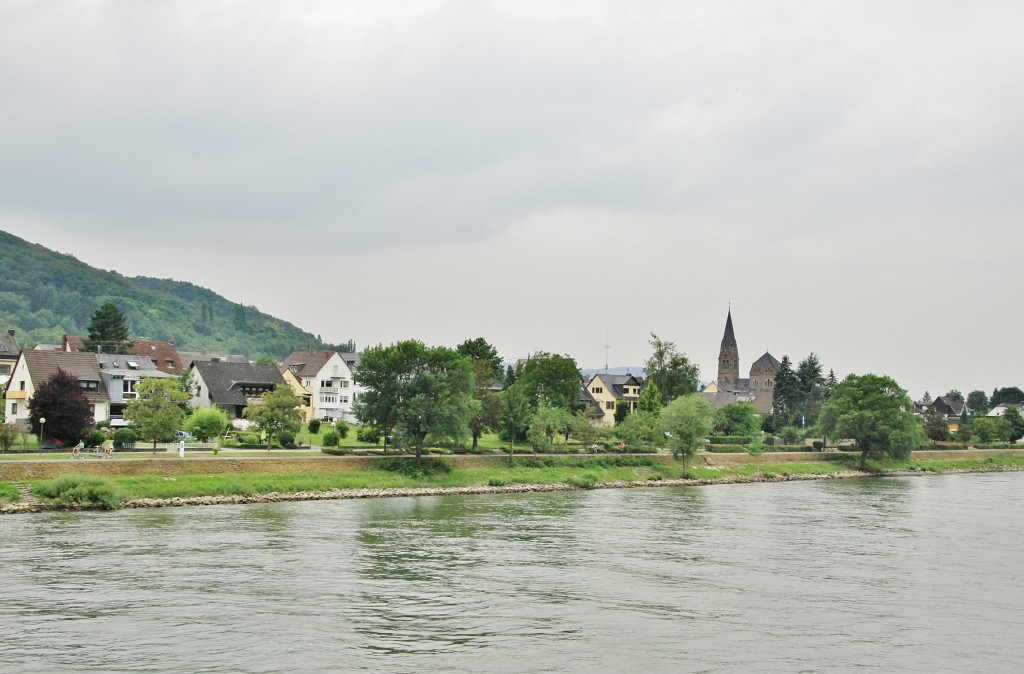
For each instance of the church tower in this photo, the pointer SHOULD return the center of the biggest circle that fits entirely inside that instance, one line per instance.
(728, 359)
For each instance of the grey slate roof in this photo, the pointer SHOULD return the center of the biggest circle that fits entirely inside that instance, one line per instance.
(766, 358)
(729, 338)
(616, 382)
(226, 381)
(9, 345)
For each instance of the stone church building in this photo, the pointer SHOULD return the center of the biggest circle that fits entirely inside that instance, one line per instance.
(729, 387)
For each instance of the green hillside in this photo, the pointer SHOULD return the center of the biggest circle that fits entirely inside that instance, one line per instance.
(44, 294)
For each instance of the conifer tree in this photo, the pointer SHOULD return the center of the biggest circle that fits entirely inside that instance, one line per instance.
(107, 330)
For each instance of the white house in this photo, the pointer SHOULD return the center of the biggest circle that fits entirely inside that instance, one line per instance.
(121, 375)
(327, 377)
(35, 367)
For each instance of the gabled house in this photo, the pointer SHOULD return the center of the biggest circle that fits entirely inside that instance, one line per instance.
(121, 376)
(327, 377)
(189, 357)
(9, 352)
(163, 354)
(1000, 410)
(609, 389)
(73, 344)
(35, 367)
(231, 386)
(306, 410)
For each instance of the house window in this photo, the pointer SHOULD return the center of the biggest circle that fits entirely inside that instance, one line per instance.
(128, 387)
(14, 409)
(328, 398)
(170, 364)
(326, 383)
(5, 369)
(344, 399)
(89, 385)
(23, 385)
(597, 389)
(610, 405)
(344, 383)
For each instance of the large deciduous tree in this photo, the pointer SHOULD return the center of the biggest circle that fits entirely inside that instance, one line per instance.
(480, 349)
(550, 379)
(488, 415)
(671, 371)
(64, 404)
(1011, 395)
(737, 419)
(158, 410)
(685, 423)
(275, 412)
(935, 426)
(876, 413)
(977, 402)
(107, 330)
(417, 391)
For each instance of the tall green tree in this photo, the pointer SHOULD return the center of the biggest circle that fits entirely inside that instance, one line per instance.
(487, 416)
(1011, 395)
(275, 412)
(786, 395)
(935, 426)
(1016, 421)
(107, 330)
(480, 349)
(416, 390)
(650, 399)
(517, 409)
(548, 378)
(671, 371)
(685, 423)
(876, 413)
(64, 404)
(813, 389)
(737, 419)
(977, 401)
(158, 411)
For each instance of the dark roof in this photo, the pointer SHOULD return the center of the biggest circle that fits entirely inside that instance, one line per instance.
(729, 338)
(766, 358)
(160, 352)
(615, 382)
(949, 406)
(44, 364)
(9, 345)
(307, 363)
(762, 400)
(189, 357)
(225, 380)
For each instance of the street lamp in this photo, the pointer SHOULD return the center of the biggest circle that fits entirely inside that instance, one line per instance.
(42, 428)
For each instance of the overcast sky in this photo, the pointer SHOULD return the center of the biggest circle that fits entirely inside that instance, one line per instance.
(548, 175)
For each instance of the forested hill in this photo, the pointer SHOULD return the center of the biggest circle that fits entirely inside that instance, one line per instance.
(44, 294)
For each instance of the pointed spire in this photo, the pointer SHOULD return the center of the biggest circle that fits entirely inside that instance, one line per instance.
(729, 339)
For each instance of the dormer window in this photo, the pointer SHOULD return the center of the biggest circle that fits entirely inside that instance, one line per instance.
(132, 365)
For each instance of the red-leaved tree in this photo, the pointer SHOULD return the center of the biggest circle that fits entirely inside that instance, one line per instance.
(64, 405)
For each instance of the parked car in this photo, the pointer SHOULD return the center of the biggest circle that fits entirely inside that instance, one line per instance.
(183, 435)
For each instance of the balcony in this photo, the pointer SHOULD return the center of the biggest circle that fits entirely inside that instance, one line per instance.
(17, 395)
(329, 389)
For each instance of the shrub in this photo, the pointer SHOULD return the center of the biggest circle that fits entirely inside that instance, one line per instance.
(8, 434)
(411, 468)
(586, 481)
(818, 445)
(731, 439)
(369, 434)
(250, 439)
(341, 428)
(725, 449)
(124, 437)
(80, 491)
(314, 426)
(331, 439)
(93, 437)
(287, 439)
(336, 451)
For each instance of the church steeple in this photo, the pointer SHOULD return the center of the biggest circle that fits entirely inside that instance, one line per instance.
(728, 358)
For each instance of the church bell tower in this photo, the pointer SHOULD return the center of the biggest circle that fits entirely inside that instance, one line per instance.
(728, 358)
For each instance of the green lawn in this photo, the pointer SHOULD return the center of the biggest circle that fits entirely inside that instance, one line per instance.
(8, 492)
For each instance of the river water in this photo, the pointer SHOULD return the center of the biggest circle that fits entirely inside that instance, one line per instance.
(894, 575)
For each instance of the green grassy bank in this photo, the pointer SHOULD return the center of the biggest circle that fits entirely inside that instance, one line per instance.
(135, 481)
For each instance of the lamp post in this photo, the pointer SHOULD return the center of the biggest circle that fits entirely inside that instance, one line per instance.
(42, 428)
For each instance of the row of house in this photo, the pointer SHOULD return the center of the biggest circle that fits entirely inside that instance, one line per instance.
(323, 380)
